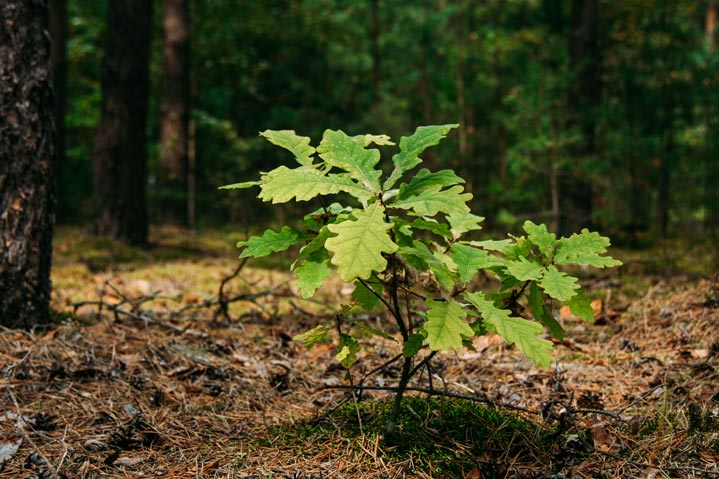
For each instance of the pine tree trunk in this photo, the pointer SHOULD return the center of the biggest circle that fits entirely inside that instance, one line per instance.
(26, 163)
(711, 156)
(58, 58)
(375, 49)
(584, 95)
(174, 119)
(120, 154)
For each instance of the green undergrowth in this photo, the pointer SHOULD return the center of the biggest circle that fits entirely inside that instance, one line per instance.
(443, 437)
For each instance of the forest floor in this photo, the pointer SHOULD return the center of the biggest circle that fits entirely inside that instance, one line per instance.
(144, 375)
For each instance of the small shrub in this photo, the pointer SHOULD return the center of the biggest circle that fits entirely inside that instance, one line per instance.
(401, 240)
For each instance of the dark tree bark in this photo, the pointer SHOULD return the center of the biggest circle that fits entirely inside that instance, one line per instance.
(174, 119)
(58, 58)
(26, 163)
(711, 158)
(584, 95)
(375, 50)
(120, 154)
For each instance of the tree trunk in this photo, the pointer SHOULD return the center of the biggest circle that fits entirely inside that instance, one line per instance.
(58, 58)
(375, 50)
(174, 119)
(120, 153)
(584, 93)
(27, 193)
(711, 160)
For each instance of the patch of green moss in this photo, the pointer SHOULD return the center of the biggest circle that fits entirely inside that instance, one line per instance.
(441, 436)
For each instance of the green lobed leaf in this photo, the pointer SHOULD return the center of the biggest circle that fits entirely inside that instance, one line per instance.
(463, 223)
(380, 140)
(317, 244)
(422, 258)
(525, 270)
(432, 225)
(412, 146)
(349, 154)
(413, 345)
(470, 260)
(298, 145)
(445, 326)
(270, 242)
(313, 272)
(348, 349)
(514, 330)
(585, 248)
(429, 203)
(304, 183)
(244, 184)
(360, 242)
(541, 312)
(425, 181)
(581, 306)
(558, 285)
(543, 239)
(314, 335)
(366, 297)
(493, 245)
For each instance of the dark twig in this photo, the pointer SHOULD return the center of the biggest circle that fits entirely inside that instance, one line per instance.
(223, 303)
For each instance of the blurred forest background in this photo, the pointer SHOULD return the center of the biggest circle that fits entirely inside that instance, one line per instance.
(572, 112)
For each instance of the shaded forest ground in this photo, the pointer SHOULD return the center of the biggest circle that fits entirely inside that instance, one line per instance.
(145, 375)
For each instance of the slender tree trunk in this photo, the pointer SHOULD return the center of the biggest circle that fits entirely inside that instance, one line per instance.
(460, 81)
(666, 164)
(711, 158)
(174, 119)
(120, 199)
(375, 33)
(27, 193)
(584, 94)
(191, 175)
(58, 58)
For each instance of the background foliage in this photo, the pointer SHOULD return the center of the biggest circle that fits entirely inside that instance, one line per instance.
(499, 68)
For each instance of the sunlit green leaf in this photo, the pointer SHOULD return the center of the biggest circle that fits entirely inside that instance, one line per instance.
(585, 248)
(304, 183)
(313, 272)
(540, 236)
(349, 154)
(244, 184)
(429, 203)
(360, 242)
(270, 242)
(514, 330)
(525, 270)
(445, 325)
(493, 245)
(463, 223)
(315, 335)
(558, 285)
(348, 349)
(470, 260)
(425, 181)
(581, 306)
(380, 140)
(298, 145)
(412, 146)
